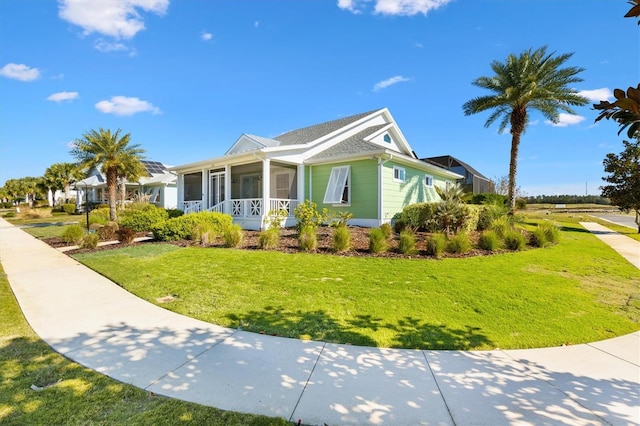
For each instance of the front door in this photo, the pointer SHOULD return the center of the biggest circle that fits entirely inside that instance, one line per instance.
(216, 189)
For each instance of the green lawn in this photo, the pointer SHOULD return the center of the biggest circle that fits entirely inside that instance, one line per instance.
(575, 292)
(75, 395)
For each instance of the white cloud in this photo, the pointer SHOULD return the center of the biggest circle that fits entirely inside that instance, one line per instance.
(206, 36)
(63, 96)
(389, 82)
(20, 72)
(106, 46)
(565, 120)
(350, 5)
(394, 7)
(114, 18)
(597, 95)
(122, 105)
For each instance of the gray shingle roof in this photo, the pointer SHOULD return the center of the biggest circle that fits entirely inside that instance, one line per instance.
(311, 133)
(445, 160)
(351, 146)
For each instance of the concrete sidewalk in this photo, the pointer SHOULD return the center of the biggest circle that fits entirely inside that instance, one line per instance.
(627, 247)
(96, 323)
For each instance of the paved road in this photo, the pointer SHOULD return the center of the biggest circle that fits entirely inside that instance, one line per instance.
(619, 219)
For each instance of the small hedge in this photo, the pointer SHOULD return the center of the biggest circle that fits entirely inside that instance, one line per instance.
(73, 234)
(141, 216)
(69, 208)
(183, 227)
(99, 215)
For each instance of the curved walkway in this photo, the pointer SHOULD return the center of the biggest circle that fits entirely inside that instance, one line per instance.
(96, 323)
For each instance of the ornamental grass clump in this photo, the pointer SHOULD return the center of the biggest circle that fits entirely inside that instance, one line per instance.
(407, 243)
(270, 237)
(459, 243)
(377, 241)
(73, 234)
(386, 230)
(514, 240)
(341, 239)
(233, 235)
(551, 231)
(90, 241)
(489, 240)
(436, 244)
(307, 239)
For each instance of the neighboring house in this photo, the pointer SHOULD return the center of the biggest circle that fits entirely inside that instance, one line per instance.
(360, 164)
(474, 181)
(159, 186)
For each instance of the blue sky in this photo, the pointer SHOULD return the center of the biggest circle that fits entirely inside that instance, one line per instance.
(186, 78)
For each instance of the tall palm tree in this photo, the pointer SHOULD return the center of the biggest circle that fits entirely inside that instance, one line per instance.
(534, 80)
(109, 151)
(60, 176)
(130, 170)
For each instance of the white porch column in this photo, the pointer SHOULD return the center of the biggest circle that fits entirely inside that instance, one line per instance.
(227, 188)
(180, 191)
(266, 186)
(301, 182)
(205, 189)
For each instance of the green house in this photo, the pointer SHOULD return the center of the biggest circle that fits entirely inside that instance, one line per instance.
(361, 164)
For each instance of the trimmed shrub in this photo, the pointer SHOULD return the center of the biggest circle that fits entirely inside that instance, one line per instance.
(125, 235)
(489, 199)
(341, 238)
(307, 238)
(9, 214)
(90, 241)
(407, 244)
(459, 243)
(69, 208)
(108, 232)
(73, 234)
(377, 241)
(141, 216)
(232, 235)
(269, 238)
(183, 227)
(514, 240)
(174, 213)
(420, 216)
(436, 244)
(489, 240)
(386, 230)
(521, 203)
(99, 215)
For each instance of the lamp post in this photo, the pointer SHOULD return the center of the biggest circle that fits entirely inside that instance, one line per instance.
(86, 202)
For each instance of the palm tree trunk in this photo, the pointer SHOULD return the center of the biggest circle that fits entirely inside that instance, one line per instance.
(112, 182)
(518, 120)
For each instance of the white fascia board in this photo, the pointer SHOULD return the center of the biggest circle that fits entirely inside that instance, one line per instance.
(350, 157)
(379, 132)
(216, 162)
(401, 158)
(403, 141)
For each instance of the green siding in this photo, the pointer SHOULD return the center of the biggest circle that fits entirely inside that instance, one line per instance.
(364, 188)
(397, 195)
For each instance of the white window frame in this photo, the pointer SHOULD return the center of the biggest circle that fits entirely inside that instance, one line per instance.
(401, 174)
(339, 182)
(428, 181)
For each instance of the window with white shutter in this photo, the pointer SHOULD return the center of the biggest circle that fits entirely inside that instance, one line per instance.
(338, 186)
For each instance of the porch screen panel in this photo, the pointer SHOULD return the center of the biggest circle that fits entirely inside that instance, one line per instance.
(336, 185)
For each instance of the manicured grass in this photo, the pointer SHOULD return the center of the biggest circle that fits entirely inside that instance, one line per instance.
(574, 218)
(575, 292)
(74, 395)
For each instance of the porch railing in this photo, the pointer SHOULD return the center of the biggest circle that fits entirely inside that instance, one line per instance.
(251, 207)
(192, 206)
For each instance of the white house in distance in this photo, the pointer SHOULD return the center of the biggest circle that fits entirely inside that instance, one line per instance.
(159, 185)
(360, 164)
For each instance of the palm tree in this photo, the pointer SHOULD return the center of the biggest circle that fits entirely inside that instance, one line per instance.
(130, 170)
(534, 80)
(60, 176)
(110, 152)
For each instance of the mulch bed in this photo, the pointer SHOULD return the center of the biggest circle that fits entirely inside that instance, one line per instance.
(289, 244)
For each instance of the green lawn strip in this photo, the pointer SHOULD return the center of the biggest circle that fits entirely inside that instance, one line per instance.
(74, 395)
(575, 292)
(574, 218)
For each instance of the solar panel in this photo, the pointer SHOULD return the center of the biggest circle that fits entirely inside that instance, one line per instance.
(154, 167)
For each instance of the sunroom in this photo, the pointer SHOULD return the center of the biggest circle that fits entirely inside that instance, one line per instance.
(246, 191)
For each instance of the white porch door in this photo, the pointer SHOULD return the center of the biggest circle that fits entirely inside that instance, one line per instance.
(216, 189)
